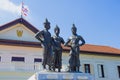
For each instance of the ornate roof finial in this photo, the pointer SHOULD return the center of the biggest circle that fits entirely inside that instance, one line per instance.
(74, 29)
(73, 25)
(46, 21)
(56, 28)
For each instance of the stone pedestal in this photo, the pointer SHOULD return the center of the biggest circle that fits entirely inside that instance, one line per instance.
(44, 75)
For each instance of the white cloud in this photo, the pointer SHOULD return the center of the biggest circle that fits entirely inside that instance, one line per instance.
(9, 6)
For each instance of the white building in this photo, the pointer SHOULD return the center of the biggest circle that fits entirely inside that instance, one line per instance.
(21, 54)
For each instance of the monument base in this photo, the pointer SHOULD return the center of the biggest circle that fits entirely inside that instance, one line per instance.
(48, 75)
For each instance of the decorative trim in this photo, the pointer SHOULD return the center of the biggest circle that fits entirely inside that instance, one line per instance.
(19, 33)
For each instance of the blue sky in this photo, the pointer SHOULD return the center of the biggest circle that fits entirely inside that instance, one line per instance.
(97, 21)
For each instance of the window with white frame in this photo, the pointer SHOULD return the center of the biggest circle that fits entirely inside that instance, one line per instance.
(101, 73)
(87, 68)
(18, 63)
(37, 62)
(19, 59)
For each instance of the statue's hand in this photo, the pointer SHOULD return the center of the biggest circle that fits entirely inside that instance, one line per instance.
(81, 44)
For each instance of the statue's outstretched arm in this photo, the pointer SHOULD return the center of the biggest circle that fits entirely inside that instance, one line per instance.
(62, 41)
(67, 43)
(82, 40)
(37, 36)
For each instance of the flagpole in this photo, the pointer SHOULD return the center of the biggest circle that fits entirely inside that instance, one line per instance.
(21, 8)
(21, 16)
(24, 10)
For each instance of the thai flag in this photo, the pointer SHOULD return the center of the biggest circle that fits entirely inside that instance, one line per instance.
(24, 10)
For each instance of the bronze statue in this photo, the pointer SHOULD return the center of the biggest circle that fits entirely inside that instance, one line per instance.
(74, 43)
(57, 49)
(45, 38)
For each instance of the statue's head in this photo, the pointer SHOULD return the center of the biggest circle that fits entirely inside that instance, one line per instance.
(47, 24)
(74, 29)
(57, 30)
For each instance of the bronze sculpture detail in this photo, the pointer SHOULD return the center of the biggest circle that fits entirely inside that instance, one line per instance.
(52, 49)
(73, 42)
(44, 37)
(57, 49)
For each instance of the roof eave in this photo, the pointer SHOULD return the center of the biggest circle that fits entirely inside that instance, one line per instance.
(22, 21)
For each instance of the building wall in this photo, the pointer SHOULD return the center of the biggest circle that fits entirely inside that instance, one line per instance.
(29, 54)
(109, 63)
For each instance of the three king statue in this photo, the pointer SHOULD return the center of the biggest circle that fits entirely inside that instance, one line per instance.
(52, 49)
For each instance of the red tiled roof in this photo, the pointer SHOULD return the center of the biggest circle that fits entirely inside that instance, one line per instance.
(97, 49)
(100, 49)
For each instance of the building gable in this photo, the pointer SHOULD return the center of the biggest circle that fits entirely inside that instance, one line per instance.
(22, 21)
(19, 29)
